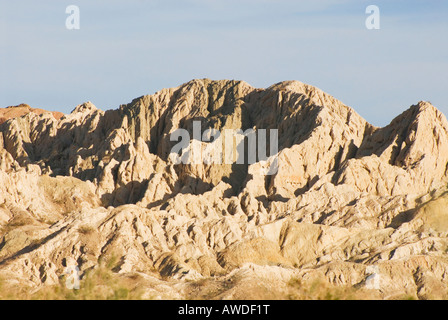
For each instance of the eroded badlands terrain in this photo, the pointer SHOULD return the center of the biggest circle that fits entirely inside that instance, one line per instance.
(353, 207)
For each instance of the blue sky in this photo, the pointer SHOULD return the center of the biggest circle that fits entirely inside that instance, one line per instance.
(126, 49)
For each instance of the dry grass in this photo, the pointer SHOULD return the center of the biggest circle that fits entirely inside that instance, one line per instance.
(318, 290)
(103, 284)
(97, 284)
(243, 289)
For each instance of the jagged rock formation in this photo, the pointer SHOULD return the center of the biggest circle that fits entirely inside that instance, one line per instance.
(21, 110)
(348, 197)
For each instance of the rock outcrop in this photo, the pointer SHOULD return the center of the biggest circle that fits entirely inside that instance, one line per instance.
(348, 203)
(21, 110)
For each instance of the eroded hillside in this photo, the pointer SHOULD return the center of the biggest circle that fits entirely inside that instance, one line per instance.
(349, 203)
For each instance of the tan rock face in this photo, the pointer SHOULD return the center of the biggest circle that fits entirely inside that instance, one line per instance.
(21, 110)
(350, 203)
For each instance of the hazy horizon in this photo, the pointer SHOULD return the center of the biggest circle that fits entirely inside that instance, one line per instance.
(124, 50)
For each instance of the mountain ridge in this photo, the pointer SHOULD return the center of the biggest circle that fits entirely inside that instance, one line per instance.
(347, 195)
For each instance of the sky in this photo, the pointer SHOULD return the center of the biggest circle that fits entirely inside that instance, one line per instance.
(126, 49)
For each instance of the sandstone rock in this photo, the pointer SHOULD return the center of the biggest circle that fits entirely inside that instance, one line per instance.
(351, 205)
(21, 110)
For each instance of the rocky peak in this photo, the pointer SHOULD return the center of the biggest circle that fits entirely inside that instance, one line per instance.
(86, 107)
(347, 198)
(21, 110)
